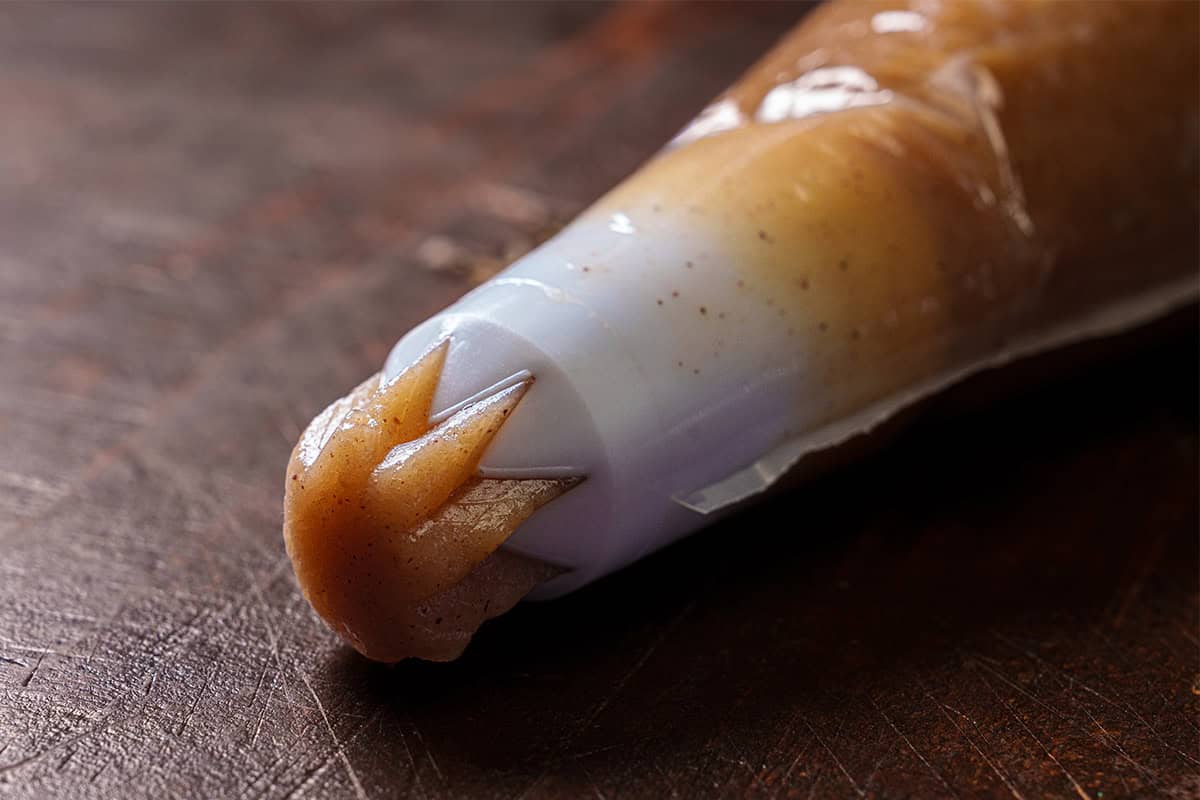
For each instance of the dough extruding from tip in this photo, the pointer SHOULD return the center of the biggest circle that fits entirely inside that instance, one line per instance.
(393, 536)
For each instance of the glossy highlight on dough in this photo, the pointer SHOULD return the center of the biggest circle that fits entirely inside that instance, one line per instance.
(391, 534)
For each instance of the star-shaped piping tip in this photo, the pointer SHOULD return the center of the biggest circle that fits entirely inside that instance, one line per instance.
(384, 510)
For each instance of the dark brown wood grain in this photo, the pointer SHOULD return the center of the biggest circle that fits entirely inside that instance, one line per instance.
(216, 218)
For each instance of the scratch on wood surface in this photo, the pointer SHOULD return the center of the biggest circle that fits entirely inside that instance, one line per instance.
(428, 753)
(602, 749)
(341, 751)
(609, 696)
(44, 651)
(981, 662)
(30, 483)
(29, 678)
(1128, 708)
(1156, 688)
(199, 695)
(262, 674)
(532, 785)
(102, 631)
(412, 762)
(256, 585)
(64, 742)
(1115, 652)
(796, 761)
(1123, 705)
(96, 775)
(742, 763)
(904, 737)
(1079, 790)
(177, 639)
(273, 639)
(994, 765)
(309, 775)
(837, 761)
(619, 686)
(101, 719)
(882, 758)
(262, 716)
(1144, 568)
(666, 780)
(287, 425)
(817, 776)
(1115, 746)
(591, 782)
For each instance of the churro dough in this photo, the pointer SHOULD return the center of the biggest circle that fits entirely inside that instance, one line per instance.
(392, 537)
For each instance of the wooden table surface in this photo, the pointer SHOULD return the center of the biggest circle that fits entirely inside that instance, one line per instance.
(214, 219)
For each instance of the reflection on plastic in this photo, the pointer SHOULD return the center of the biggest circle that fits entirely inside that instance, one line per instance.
(722, 115)
(822, 90)
(621, 223)
(898, 22)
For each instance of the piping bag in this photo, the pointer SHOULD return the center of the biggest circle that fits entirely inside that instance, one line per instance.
(899, 195)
